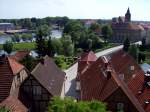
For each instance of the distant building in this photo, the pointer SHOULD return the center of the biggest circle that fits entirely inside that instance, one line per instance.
(123, 28)
(6, 26)
(147, 30)
(45, 81)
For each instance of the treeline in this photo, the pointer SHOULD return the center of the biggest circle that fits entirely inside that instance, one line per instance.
(32, 23)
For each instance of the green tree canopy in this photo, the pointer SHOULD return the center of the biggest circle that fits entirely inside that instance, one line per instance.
(71, 105)
(68, 47)
(134, 51)
(107, 32)
(41, 45)
(126, 44)
(8, 46)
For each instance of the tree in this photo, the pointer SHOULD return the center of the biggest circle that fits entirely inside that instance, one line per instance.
(28, 62)
(68, 47)
(41, 45)
(50, 48)
(106, 32)
(71, 105)
(57, 45)
(142, 47)
(95, 27)
(16, 38)
(8, 46)
(134, 51)
(126, 44)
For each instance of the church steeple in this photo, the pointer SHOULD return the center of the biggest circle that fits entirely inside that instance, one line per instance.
(128, 16)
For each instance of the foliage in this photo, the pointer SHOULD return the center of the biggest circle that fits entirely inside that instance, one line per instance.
(26, 37)
(41, 46)
(16, 38)
(107, 32)
(50, 48)
(8, 46)
(67, 45)
(95, 27)
(71, 105)
(126, 44)
(3, 109)
(28, 62)
(134, 51)
(57, 45)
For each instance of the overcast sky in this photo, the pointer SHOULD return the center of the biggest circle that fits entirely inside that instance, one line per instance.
(104, 9)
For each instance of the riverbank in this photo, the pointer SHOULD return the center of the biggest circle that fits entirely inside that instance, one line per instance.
(22, 46)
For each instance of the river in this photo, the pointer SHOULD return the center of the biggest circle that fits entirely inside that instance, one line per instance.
(54, 33)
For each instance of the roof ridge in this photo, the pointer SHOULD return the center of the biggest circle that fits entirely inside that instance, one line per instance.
(128, 92)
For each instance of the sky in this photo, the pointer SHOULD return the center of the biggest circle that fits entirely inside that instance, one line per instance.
(75, 9)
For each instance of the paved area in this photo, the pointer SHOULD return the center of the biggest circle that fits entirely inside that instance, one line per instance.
(71, 73)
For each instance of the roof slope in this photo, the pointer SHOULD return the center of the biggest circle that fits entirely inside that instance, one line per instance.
(122, 63)
(95, 85)
(8, 68)
(49, 76)
(85, 60)
(6, 78)
(15, 66)
(135, 85)
(13, 104)
(19, 55)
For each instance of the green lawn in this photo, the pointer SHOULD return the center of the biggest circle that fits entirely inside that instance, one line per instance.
(22, 46)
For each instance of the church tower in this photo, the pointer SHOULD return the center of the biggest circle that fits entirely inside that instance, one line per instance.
(128, 16)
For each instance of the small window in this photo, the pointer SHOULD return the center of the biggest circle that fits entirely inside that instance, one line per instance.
(36, 90)
(78, 86)
(120, 107)
(131, 67)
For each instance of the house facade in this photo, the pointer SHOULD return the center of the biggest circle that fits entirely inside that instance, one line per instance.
(44, 82)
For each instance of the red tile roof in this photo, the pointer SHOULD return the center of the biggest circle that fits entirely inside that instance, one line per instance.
(85, 60)
(6, 78)
(15, 66)
(13, 104)
(95, 85)
(19, 55)
(135, 86)
(122, 63)
(8, 68)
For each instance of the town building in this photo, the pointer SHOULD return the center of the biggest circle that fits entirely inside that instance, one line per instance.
(124, 28)
(45, 81)
(6, 26)
(112, 79)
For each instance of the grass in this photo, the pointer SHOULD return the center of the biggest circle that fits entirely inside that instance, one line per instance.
(22, 46)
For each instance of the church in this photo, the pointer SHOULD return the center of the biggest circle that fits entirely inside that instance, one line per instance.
(124, 28)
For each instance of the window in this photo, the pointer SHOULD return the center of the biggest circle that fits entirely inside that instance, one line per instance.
(131, 67)
(37, 90)
(120, 107)
(78, 86)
